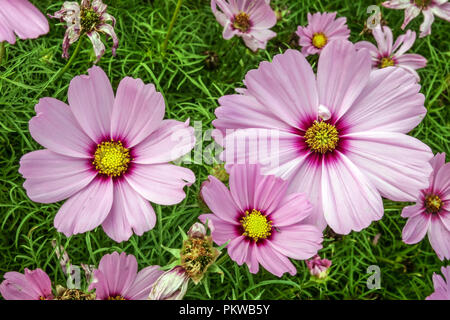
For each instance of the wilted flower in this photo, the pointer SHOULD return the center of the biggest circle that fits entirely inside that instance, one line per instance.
(393, 54)
(171, 285)
(31, 285)
(431, 214)
(90, 18)
(72, 294)
(117, 278)
(429, 8)
(318, 267)
(441, 286)
(21, 18)
(322, 29)
(249, 19)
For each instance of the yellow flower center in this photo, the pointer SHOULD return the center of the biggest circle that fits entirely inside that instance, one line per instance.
(111, 158)
(89, 19)
(319, 40)
(433, 203)
(242, 22)
(116, 298)
(322, 137)
(255, 225)
(386, 62)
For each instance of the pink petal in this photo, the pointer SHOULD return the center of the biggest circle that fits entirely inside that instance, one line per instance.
(142, 285)
(439, 238)
(29, 286)
(273, 261)
(425, 27)
(395, 163)
(341, 83)
(291, 210)
(170, 141)
(287, 87)
(390, 102)
(442, 181)
(87, 209)
(350, 201)
(237, 249)
(160, 183)
(261, 15)
(297, 241)
(129, 213)
(218, 198)
(51, 177)
(410, 13)
(415, 228)
(412, 211)
(55, 128)
(413, 61)
(243, 183)
(138, 111)
(22, 18)
(91, 99)
(223, 230)
(40, 281)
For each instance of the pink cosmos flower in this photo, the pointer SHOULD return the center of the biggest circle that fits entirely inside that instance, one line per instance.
(108, 155)
(341, 136)
(20, 17)
(248, 19)
(32, 285)
(89, 18)
(429, 8)
(322, 29)
(387, 55)
(431, 214)
(117, 278)
(264, 224)
(318, 267)
(441, 286)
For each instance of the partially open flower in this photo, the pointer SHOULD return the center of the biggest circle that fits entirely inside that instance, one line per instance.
(90, 18)
(318, 267)
(171, 285)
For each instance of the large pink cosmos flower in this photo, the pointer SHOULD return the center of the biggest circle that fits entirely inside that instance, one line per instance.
(431, 214)
(322, 29)
(387, 55)
(340, 137)
(20, 17)
(429, 8)
(441, 286)
(248, 19)
(264, 223)
(108, 155)
(32, 285)
(117, 278)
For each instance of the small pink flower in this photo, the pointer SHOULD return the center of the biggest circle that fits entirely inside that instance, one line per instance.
(21, 18)
(431, 214)
(249, 19)
(393, 54)
(171, 285)
(441, 286)
(117, 278)
(318, 267)
(322, 29)
(109, 155)
(32, 285)
(264, 224)
(429, 8)
(89, 18)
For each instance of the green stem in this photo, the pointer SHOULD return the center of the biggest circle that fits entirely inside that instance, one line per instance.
(2, 51)
(63, 70)
(169, 31)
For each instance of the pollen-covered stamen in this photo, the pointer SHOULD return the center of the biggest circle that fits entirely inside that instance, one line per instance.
(118, 297)
(319, 40)
(433, 203)
(111, 158)
(89, 19)
(386, 62)
(242, 22)
(256, 225)
(322, 137)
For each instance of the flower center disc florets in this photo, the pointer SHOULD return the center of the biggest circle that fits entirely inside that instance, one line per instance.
(433, 203)
(118, 297)
(319, 40)
(89, 19)
(256, 225)
(422, 4)
(322, 137)
(242, 22)
(111, 158)
(386, 62)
